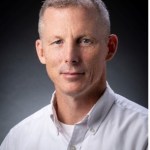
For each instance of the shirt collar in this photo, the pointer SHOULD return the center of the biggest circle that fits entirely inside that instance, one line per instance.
(95, 116)
(101, 109)
(53, 114)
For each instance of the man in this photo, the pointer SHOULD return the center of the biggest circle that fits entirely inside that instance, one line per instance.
(75, 44)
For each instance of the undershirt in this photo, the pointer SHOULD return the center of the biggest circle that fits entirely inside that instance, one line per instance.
(67, 130)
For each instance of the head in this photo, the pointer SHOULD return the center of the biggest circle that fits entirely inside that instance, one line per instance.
(75, 44)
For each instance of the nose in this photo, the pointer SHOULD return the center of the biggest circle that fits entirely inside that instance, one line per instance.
(71, 54)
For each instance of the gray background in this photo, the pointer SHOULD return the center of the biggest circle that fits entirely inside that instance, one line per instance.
(24, 85)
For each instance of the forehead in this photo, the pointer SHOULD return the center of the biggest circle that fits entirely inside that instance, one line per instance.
(75, 18)
(73, 11)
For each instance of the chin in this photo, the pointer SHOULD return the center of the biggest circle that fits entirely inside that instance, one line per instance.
(72, 91)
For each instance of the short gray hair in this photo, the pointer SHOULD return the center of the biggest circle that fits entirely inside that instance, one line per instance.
(98, 4)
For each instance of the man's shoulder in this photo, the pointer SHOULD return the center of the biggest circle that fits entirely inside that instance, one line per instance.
(36, 117)
(130, 108)
(123, 104)
(30, 129)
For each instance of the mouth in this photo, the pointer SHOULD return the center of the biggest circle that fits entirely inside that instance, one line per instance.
(72, 75)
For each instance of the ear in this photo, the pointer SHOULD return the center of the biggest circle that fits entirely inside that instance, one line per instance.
(40, 51)
(112, 46)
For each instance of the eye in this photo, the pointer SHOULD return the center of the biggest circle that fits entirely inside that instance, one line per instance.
(57, 42)
(85, 42)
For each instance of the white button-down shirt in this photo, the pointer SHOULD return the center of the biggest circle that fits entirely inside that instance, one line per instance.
(114, 123)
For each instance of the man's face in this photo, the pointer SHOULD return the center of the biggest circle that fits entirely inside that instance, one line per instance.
(74, 48)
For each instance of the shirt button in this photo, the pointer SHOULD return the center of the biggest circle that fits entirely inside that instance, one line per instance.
(73, 148)
(92, 130)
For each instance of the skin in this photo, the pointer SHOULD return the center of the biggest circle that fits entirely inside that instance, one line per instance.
(75, 49)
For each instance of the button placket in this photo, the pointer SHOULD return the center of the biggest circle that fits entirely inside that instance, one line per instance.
(78, 136)
(72, 147)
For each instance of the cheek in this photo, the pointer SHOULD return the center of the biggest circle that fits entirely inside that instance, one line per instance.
(95, 59)
(53, 58)
(53, 61)
(95, 66)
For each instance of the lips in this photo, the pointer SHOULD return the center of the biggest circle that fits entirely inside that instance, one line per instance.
(72, 75)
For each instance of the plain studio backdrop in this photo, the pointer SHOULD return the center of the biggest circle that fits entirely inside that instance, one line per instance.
(24, 85)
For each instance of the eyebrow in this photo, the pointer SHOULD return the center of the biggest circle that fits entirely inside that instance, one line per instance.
(78, 37)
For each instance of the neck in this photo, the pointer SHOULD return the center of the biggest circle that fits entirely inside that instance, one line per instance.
(72, 109)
